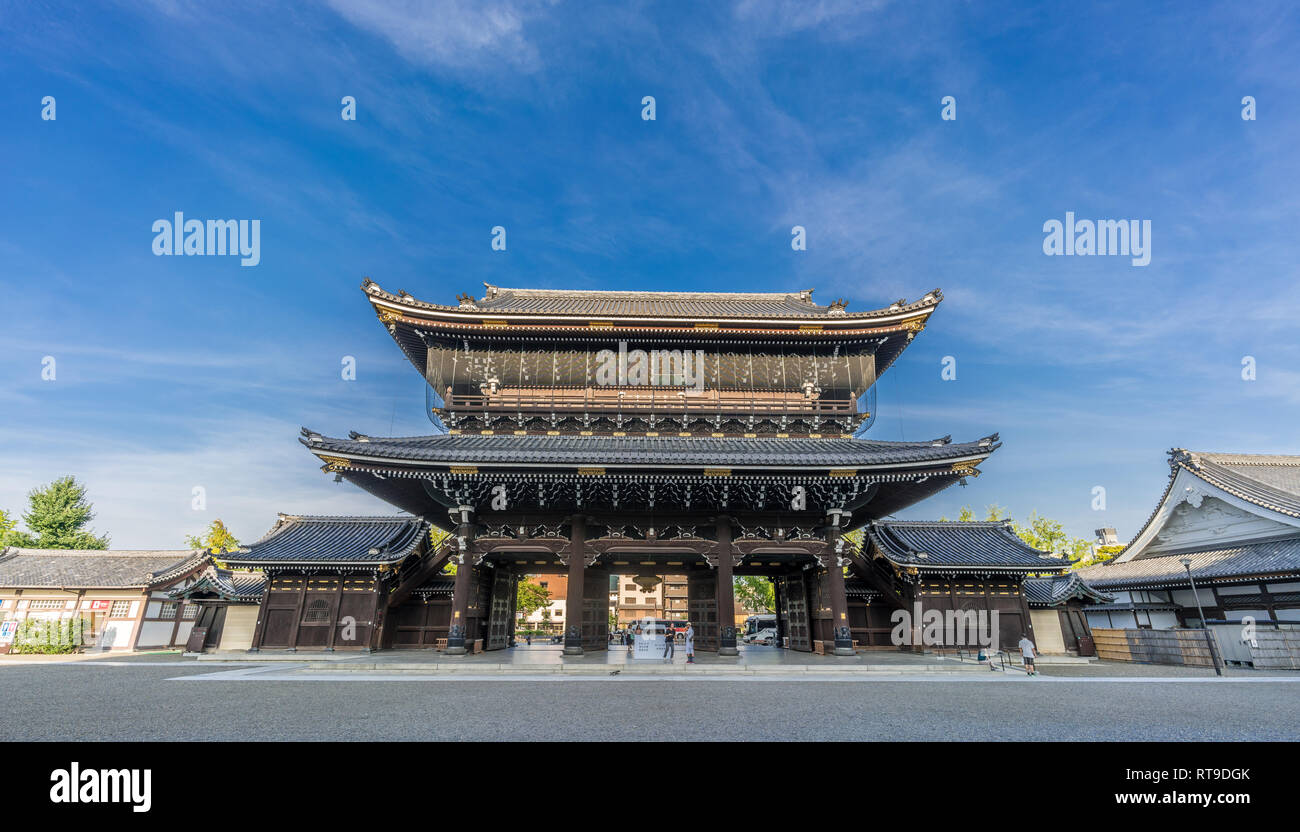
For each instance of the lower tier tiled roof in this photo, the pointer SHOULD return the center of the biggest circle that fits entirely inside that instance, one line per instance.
(225, 584)
(647, 450)
(1057, 589)
(1277, 558)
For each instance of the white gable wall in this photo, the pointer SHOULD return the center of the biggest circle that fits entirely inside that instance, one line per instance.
(1198, 515)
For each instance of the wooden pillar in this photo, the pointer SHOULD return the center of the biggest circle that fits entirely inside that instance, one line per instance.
(573, 601)
(778, 601)
(297, 615)
(726, 592)
(839, 598)
(334, 615)
(514, 605)
(463, 586)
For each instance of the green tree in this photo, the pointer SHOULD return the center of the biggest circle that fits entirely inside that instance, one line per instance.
(1102, 554)
(531, 598)
(755, 593)
(57, 516)
(7, 525)
(991, 512)
(218, 540)
(1049, 535)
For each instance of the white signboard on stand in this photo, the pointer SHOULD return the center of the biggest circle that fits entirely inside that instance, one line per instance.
(648, 644)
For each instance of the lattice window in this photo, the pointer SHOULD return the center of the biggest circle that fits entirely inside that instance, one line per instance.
(168, 610)
(119, 609)
(47, 605)
(191, 612)
(317, 612)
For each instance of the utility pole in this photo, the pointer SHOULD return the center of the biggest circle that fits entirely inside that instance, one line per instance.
(1209, 637)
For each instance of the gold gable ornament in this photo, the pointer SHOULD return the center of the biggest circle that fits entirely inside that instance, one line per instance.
(966, 469)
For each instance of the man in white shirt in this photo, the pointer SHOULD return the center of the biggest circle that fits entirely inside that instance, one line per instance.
(1027, 654)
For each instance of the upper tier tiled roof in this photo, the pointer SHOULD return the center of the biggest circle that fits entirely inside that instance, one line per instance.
(650, 303)
(615, 451)
(1268, 480)
(640, 304)
(1277, 557)
(334, 540)
(1052, 590)
(958, 544)
(93, 568)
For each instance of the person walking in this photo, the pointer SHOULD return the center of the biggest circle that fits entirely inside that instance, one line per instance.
(627, 639)
(690, 643)
(669, 643)
(1027, 655)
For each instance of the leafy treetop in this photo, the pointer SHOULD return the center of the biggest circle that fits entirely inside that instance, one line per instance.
(532, 597)
(7, 525)
(217, 539)
(56, 518)
(1048, 535)
(755, 593)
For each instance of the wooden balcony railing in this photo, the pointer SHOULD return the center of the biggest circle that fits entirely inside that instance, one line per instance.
(649, 399)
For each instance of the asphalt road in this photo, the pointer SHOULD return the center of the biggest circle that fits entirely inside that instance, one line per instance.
(145, 701)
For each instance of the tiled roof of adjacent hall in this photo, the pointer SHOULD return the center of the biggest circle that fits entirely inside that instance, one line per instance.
(1271, 481)
(642, 304)
(334, 540)
(1049, 591)
(960, 545)
(94, 568)
(1278, 558)
(632, 451)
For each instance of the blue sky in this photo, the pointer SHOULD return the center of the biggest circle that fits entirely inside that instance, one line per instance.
(176, 372)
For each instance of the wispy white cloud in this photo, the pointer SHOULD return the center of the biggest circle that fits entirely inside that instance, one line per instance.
(456, 34)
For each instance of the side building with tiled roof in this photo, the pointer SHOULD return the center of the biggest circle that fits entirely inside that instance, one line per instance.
(957, 566)
(329, 583)
(1235, 521)
(122, 596)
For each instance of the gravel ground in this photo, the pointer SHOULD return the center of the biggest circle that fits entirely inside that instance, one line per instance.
(85, 701)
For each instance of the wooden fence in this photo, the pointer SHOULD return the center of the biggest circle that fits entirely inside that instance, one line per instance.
(1272, 649)
(1276, 650)
(1154, 646)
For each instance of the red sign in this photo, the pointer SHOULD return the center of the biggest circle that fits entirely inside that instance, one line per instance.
(99, 605)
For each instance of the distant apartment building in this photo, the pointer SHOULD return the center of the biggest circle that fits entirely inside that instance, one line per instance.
(633, 602)
(674, 594)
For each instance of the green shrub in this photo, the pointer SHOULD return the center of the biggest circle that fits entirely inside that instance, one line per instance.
(44, 636)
